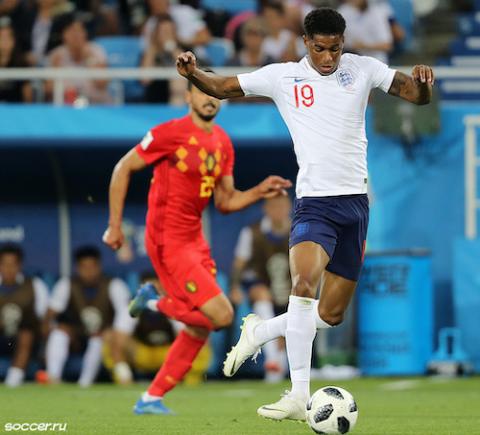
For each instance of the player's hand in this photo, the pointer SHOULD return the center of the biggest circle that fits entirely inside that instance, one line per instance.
(113, 237)
(274, 186)
(423, 74)
(186, 63)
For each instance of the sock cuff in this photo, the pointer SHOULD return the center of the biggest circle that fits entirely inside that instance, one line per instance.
(301, 301)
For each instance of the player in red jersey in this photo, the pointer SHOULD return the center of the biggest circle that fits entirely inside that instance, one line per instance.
(193, 159)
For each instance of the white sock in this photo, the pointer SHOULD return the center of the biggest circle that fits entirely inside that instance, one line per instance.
(270, 329)
(149, 398)
(319, 322)
(264, 309)
(299, 336)
(276, 327)
(91, 362)
(56, 353)
(15, 376)
(152, 304)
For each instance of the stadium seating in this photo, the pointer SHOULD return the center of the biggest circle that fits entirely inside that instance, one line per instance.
(124, 52)
(231, 6)
(219, 51)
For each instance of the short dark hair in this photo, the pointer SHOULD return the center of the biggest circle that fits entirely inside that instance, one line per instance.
(88, 251)
(206, 69)
(12, 249)
(324, 21)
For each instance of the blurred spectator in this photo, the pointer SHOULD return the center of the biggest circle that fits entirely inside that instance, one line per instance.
(398, 32)
(12, 91)
(252, 39)
(234, 25)
(297, 10)
(77, 51)
(84, 311)
(162, 50)
(154, 333)
(23, 302)
(12, 9)
(280, 43)
(261, 265)
(101, 16)
(368, 31)
(40, 28)
(191, 29)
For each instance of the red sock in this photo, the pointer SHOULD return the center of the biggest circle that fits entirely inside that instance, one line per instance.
(178, 362)
(190, 317)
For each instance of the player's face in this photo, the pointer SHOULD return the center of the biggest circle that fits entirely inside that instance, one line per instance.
(10, 267)
(205, 106)
(278, 209)
(324, 52)
(89, 270)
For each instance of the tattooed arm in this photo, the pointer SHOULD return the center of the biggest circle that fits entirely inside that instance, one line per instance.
(417, 89)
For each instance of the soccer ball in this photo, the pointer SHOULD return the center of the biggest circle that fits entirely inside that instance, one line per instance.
(331, 410)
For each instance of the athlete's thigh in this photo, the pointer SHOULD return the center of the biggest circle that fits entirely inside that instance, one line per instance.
(307, 263)
(336, 293)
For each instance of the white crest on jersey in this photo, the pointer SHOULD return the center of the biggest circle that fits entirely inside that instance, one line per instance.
(147, 140)
(345, 78)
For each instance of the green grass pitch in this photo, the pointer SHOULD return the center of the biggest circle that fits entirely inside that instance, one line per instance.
(423, 406)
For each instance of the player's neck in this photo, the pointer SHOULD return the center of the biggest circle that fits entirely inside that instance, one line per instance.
(199, 122)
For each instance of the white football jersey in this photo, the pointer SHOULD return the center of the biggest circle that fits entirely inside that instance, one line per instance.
(326, 118)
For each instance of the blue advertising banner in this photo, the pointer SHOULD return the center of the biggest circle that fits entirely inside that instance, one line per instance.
(395, 315)
(466, 296)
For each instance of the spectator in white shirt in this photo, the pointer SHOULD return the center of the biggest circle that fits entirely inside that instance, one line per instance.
(280, 43)
(368, 31)
(191, 29)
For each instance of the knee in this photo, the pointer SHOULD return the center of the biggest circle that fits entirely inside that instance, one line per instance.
(303, 288)
(224, 318)
(331, 316)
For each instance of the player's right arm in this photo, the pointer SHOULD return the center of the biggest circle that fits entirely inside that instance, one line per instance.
(129, 163)
(210, 83)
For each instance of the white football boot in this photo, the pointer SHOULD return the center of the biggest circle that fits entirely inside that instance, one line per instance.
(289, 407)
(245, 347)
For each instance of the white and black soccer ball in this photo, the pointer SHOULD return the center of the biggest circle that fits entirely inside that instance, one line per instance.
(332, 410)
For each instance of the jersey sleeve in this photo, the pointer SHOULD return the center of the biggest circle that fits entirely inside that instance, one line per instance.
(261, 82)
(381, 76)
(156, 144)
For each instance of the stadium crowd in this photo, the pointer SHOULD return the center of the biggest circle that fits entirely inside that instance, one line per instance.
(62, 33)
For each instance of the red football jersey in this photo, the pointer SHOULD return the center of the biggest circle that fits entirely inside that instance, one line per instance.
(188, 164)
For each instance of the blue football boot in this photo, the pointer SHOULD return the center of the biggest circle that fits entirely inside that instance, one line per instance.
(144, 294)
(155, 407)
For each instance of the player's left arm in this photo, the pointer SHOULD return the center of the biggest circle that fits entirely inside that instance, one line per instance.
(228, 199)
(416, 88)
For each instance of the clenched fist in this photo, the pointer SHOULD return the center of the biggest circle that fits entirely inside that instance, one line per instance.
(186, 64)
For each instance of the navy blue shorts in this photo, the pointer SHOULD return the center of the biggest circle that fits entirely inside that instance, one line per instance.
(337, 223)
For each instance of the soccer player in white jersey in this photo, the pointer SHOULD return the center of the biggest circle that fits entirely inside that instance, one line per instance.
(322, 99)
